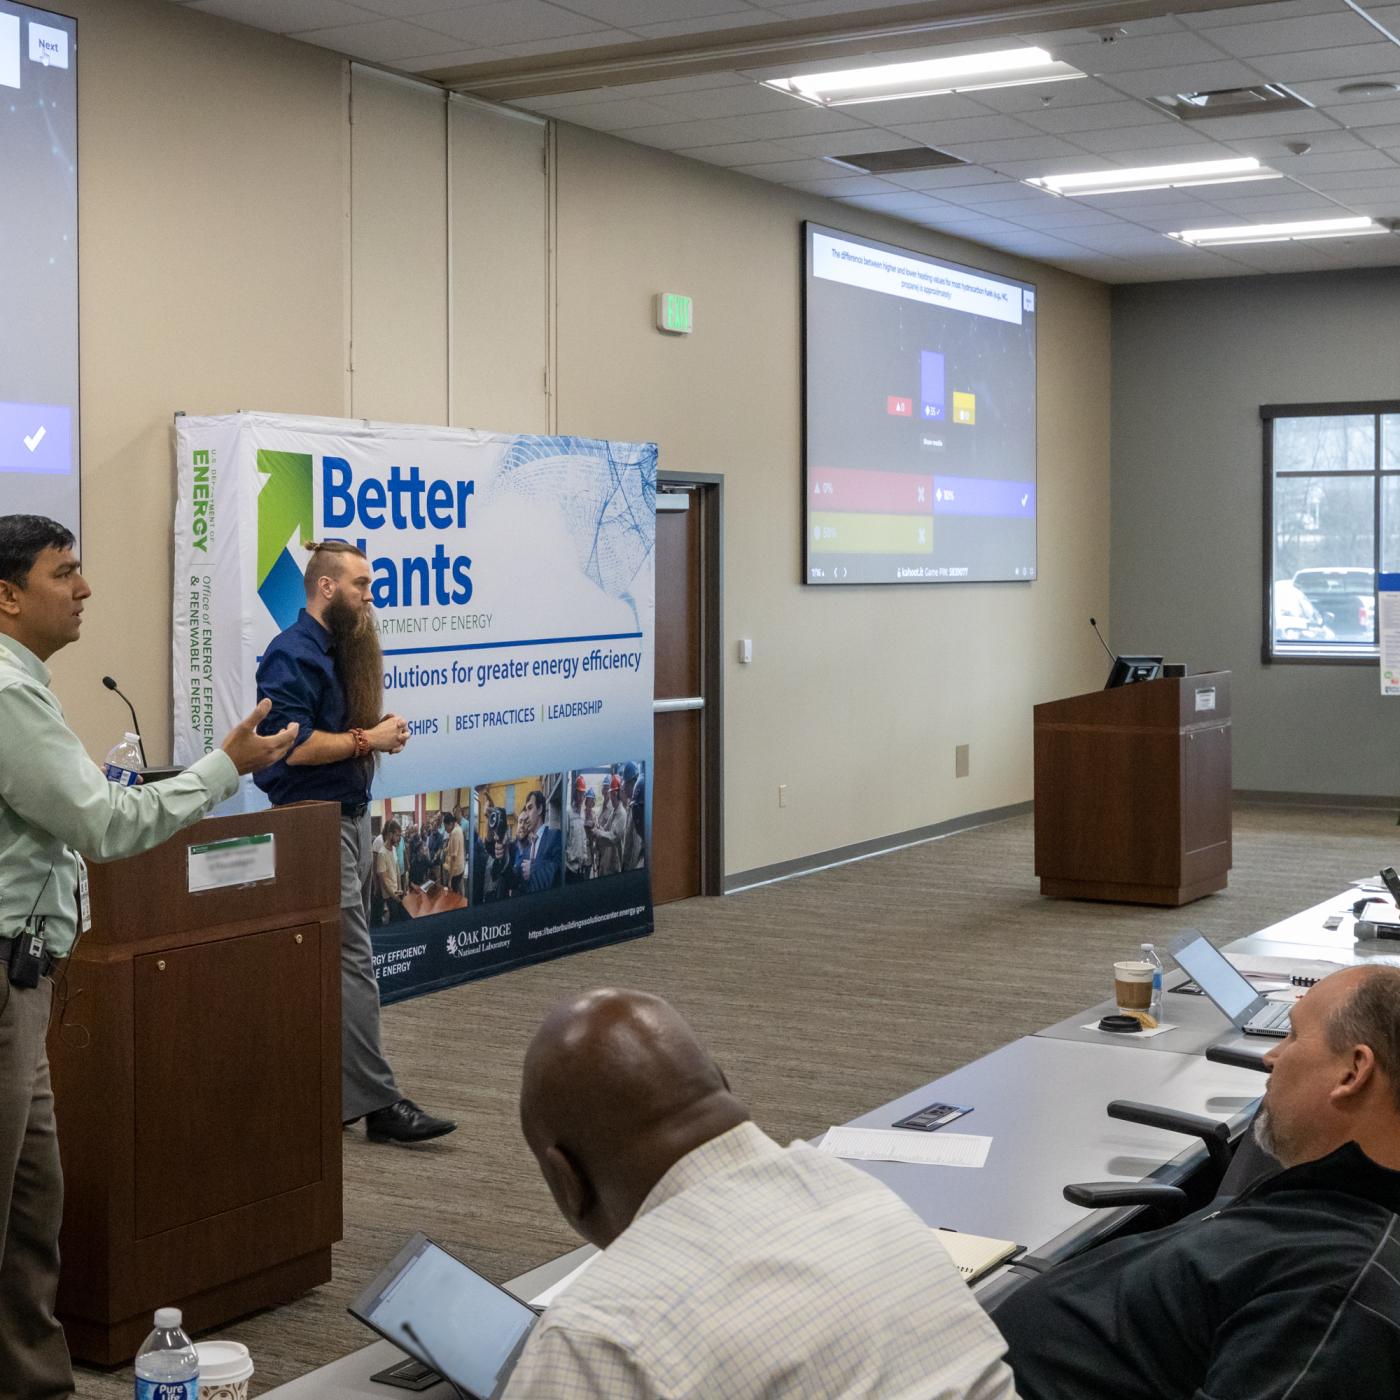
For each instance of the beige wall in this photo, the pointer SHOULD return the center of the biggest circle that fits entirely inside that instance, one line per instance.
(235, 225)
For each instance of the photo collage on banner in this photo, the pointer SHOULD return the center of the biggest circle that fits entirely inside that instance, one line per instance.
(513, 594)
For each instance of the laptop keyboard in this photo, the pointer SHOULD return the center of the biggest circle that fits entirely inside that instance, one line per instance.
(1273, 1017)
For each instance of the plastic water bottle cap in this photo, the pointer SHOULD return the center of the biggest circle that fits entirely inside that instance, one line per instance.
(168, 1319)
(132, 739)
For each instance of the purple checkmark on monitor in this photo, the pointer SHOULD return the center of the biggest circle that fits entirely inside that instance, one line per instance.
(36, 437)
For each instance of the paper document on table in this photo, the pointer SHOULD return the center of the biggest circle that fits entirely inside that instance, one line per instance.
(543, 1300)
(892, 1145)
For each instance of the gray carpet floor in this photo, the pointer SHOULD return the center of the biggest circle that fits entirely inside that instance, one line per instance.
(821, 996)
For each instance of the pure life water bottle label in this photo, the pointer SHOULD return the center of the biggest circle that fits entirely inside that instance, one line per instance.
(123, 777)
(167, 1390)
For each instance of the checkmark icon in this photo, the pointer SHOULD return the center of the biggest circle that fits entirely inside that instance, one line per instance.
(35, 438)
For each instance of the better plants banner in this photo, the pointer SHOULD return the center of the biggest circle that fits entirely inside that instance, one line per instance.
(514, 597)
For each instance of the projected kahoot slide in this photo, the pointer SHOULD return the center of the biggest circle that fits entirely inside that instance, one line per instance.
(920, 418)
(39, 289)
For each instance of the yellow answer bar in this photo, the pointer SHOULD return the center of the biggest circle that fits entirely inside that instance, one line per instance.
(836, 532)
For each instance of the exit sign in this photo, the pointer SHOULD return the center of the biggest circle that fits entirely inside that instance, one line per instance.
(674, 313)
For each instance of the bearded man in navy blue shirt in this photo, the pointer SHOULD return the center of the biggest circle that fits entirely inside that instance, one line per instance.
(326, 672)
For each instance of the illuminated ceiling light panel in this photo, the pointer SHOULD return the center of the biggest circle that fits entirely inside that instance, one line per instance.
(1351, 227)
(928, 78)
(1157, 177)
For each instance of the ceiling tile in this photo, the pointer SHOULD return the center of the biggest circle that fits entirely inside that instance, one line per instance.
(573, 43)
(904, 111)
(893, 201)
(674, 28)
(1131, 55)
(1273, 208)
(1037, 97)
(845, 143)
(965, 129)
(514, 22)
(1349, 62)
(840, 186)
(950, 177)
(779, 172)
(628, 14)
(1330, 31)
(284, 16)
(449, 58)
(1147, 139)
(741, 154)
(1196, 77)
(1323, 91)
(1101, 116)
(1386, 179)
(1306, 167)
(1030, 148)
(725, 101)
(1359, 115)
(1265, 124)
(411, 9)
(1135, 28)
(618, 115)
(1281, 10)
(382, 40)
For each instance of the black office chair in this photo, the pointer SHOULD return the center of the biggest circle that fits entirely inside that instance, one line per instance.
(1229, 1168)
(1231, 1165)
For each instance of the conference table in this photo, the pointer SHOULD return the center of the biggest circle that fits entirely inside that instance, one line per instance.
(1043, 1137)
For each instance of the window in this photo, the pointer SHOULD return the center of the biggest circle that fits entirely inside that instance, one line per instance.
(1332, 503)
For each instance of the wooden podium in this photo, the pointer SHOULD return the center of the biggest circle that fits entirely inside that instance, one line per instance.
(196, 1075)
(1133, 792)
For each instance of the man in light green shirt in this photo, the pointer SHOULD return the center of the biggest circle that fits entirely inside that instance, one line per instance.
(56, 807)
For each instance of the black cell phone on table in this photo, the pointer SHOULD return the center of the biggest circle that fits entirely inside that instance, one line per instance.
(935, 1116)
(1392, 882)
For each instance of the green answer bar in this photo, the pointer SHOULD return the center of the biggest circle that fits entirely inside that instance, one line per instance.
(832, 532)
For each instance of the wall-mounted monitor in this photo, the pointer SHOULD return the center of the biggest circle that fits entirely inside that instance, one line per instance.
(920, 417)
(38, 264)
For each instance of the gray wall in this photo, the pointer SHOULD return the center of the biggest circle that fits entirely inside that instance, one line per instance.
(1192, 363)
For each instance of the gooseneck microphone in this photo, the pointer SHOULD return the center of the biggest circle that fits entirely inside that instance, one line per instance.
(1113, 656)
(135, 723)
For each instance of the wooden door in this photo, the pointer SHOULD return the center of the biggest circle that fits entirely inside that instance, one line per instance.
(676, 836)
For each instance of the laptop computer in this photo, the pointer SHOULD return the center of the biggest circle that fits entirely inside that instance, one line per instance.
(448, 1318)
(1250, 1010)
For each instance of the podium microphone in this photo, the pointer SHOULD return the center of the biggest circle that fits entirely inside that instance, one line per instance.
(1113, 656)
(135, 723)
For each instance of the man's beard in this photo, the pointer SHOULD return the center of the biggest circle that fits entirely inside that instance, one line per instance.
(359, 661)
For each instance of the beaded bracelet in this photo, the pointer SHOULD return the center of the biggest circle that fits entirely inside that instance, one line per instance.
(361, 742)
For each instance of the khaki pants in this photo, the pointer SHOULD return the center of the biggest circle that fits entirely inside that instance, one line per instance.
(34, 1361)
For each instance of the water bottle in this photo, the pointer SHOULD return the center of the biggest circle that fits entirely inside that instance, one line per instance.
(123, 765)
(1149, 954)
(167, 1366)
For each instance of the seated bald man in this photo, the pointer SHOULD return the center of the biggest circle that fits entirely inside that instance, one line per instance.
(1291, 1289)
(732, 1267)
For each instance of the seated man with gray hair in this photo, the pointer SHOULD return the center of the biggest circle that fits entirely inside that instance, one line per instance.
(1291, 1289)
(731, 1266)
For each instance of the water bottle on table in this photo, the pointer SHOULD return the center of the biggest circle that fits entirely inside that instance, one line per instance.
(123, 765)
(167, 1366)
(1154, 1008)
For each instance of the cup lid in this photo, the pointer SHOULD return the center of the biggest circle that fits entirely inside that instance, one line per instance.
(223, 1361)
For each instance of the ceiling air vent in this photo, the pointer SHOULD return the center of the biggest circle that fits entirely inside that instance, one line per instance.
(897, 162)
(1231, 102)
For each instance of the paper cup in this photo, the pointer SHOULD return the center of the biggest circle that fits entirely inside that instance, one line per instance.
(225, 1368)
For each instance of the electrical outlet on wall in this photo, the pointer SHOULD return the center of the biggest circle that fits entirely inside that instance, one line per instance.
(782, 794)
(962, 761)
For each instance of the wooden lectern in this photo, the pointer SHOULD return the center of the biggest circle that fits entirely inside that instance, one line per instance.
(196, 1074)
(1133, 792)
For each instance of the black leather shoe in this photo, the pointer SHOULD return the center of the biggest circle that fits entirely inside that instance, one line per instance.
(404, 1121)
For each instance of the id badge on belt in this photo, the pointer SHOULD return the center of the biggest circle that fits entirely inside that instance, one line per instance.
(84, 897)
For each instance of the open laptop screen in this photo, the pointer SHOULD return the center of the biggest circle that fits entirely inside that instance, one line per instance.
(1215, 976)
(471, 1331)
